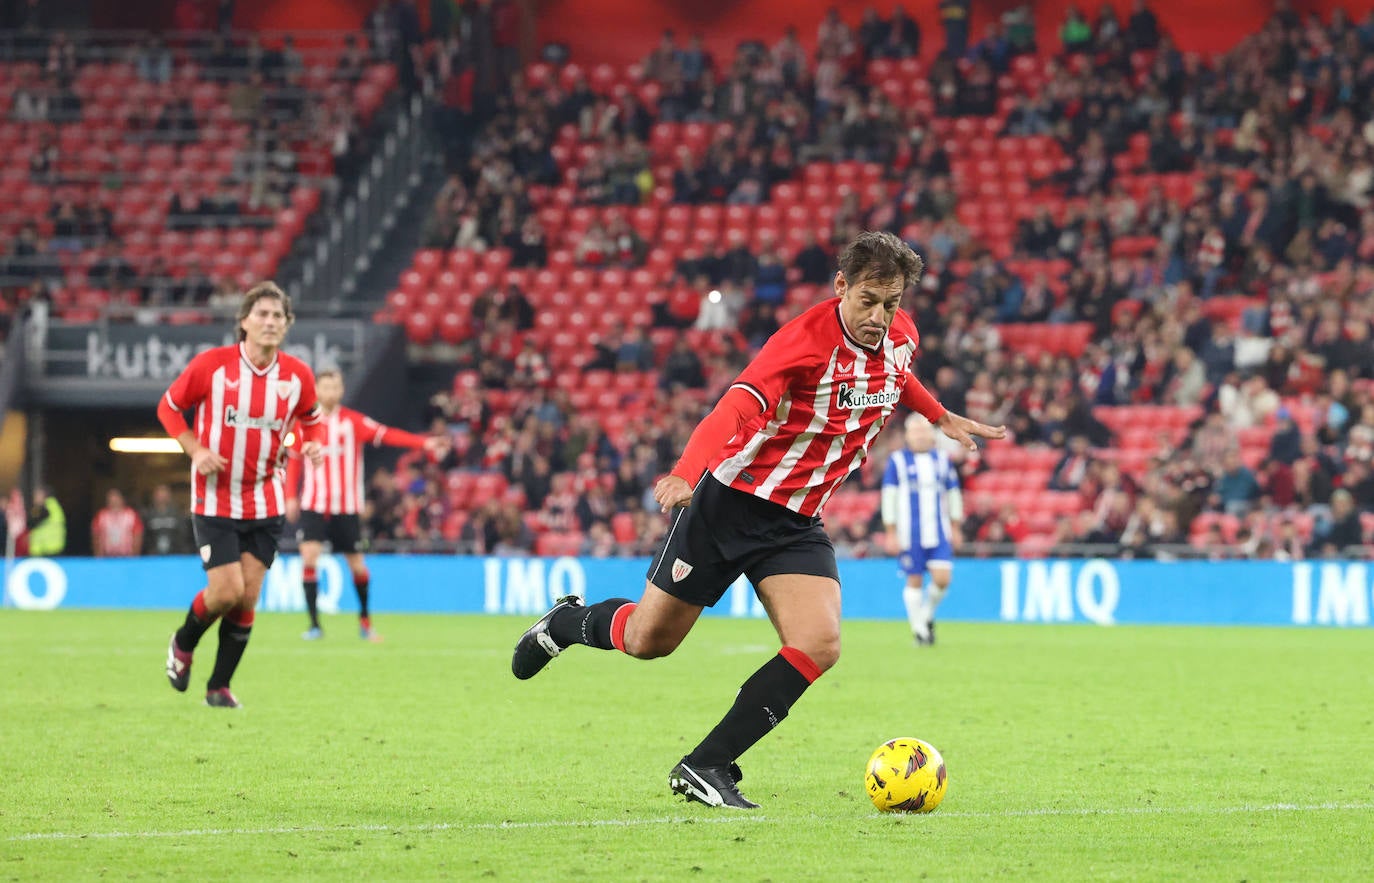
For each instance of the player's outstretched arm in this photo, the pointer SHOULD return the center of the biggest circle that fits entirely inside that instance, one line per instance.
(963, 430)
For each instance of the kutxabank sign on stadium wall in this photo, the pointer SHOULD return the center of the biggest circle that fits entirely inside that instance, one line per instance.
(1318, 593)
(159, 353)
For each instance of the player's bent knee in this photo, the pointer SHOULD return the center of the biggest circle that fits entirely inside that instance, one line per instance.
(825, 652)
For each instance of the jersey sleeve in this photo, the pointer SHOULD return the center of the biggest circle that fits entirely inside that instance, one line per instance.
(787, 355)
(307, 413)
(292, 481)
(189, 389)
(378, 434)
(919, 399)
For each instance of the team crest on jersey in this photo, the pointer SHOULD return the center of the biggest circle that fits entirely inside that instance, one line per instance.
(283, 388)
(681, 569)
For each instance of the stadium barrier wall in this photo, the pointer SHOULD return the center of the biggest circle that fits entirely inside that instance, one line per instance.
(1100, 591)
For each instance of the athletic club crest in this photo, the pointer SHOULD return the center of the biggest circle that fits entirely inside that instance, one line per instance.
(680, 570)
(283, 388)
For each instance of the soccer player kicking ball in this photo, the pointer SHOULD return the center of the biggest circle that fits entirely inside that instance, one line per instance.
(245, 397)
(332, 495)
(748, 493)
(922, 510)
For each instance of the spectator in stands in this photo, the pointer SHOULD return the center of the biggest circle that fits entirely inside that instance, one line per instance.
(1073, 467)
(531, 368)
(812, 261)
(111, 270)
(595, 247)
(1339, 531)
(1236, 487)
(1285, 445)
(1143, 27)
(116, 530)
(47, 525)
(954, 17)
(682, 368)
(30, 104)
(167, 526)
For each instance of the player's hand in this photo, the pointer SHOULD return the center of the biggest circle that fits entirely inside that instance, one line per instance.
(962, 430)
(207, 462)
(956, 537)
(671, 492)
(314, 452)
(437, 445)
(293, 510)
(891, 543)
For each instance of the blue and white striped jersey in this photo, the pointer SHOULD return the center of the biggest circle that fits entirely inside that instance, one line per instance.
(920, 495)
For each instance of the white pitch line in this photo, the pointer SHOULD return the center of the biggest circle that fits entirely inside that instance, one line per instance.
(684, 820)
(1164, 810)
(391, 829)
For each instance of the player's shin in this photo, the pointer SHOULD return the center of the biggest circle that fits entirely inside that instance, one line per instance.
(198, 621)
(915, 602)
(600, 625)
(362, 581)
(234, 632)
(310, 582)
(763, 701)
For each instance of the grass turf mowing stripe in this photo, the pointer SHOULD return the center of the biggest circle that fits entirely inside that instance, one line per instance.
(707, 820)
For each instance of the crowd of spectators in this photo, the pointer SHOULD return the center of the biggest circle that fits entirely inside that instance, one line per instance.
(1275, 136)
(300, 132)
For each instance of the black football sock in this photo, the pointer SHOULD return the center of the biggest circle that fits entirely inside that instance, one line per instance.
(589, 625)
(761, 705)
(198, 620)
(310, 582)
(362, 583)
(233, 640)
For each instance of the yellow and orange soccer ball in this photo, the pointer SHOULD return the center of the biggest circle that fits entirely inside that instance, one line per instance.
(906, 775)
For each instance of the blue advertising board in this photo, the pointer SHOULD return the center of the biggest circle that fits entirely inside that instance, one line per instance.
(1100, 591)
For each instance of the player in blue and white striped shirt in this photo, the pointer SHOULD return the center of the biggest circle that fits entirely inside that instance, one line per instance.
(922, 510)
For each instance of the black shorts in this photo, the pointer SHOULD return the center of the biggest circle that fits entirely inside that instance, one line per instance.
(223, 540)
(724, 533)
(343, 532)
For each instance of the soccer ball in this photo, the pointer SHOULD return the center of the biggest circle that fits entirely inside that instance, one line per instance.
(906, 775)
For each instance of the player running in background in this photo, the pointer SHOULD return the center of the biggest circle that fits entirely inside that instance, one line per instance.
(748, 494)
(329, 504)
(245, 397)
(922, 510)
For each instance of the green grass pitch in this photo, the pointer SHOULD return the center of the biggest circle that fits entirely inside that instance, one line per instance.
(1074, 753)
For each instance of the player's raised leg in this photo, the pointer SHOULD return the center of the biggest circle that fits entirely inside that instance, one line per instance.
(940, 573)
(805, 611)
(221, 593)
(310, 583)
(651, 628)
(234, 632)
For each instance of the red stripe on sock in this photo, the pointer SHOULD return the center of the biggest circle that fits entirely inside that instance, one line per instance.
(308, 575)
(618, 620)
(802, 663)
(241, 617)
(363, 579)
(198, 607)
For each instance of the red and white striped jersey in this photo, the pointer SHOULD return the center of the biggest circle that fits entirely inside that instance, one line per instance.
(118, 532)
(825, 397)
(335, 487)
(242, 412)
